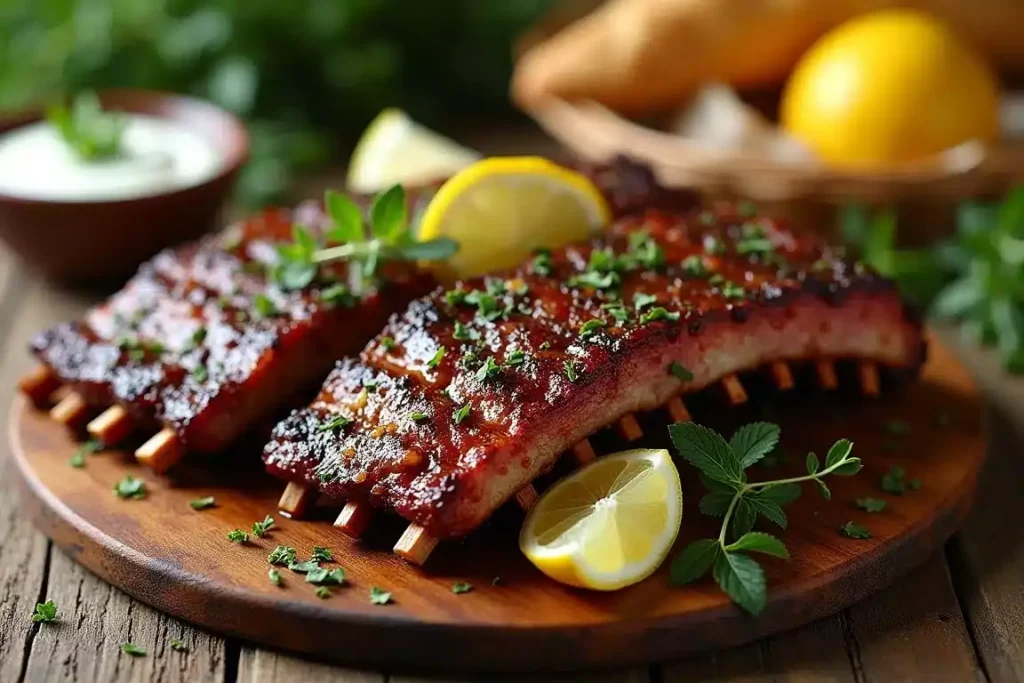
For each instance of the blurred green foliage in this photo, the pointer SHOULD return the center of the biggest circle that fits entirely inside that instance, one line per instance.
(306, 74)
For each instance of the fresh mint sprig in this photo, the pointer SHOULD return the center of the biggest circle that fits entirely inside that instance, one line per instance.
(92, 133)
(389, 239)
(739, 503)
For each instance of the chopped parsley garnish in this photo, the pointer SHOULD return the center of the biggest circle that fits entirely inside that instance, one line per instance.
(133, 650)
(45, 612)
(642, 300)
(461, 587)
(731, 290)
(488, 370)
(130, 488)
(595, 280)
(617, 310)
(88, 448)
(283, 555)
(90, 132)
(379, 596)
(694, 265)
(487, 306)
(304, 567)
(680, 372)
(658, 313)
(261, 528)
(854, 530)
(334, 423)
(275, 576)
(321, 554)
(645, 251)
(238, 536)
(454, 297)
(713, 246)
(178, 645)
(387, 343)
(202, 503)
(337, 295)
(754, 241)
(570, 370)
(462, 332)
(200, 373)
(322, 592)
(515, 358)
(199, 336)
(894, 481)
(264, 306)
(322, 576)
(871, 504)
(544, 346)
(591, 326)
(436, 360)
(463, 412)
(541, 264)
(419, 417)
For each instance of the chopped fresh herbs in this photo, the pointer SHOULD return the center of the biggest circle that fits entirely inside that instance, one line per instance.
(732, 290)
(454, 297)
(45, 612)
(541, 263)
(274, 575)
(680, 372)
(854, 530)
(337, 295)
(199, 336)
(544, 346)
(387, 343)
(595, 280)
(570, 370)
(591, 326)
(88, 448)
(322, 592)
(264, 306)
(642, 300)
(739, 503)
(322, 576)
(463, 412)
(336, 422)
(91, 133)
(658, 313)
(200, 373)
(488, 370)
(514, 358)
(871, 504)
(321, 554)
(379, 596)
(282, 555)
(419, 417)
(461, 587)
(261, 528)
(462, 332)
(202, 503)
(238, 536)
(178, 645)
(130, 488)
(894, 481)
(436, 359)
(133, 650)
(303, 567)
(694, 266)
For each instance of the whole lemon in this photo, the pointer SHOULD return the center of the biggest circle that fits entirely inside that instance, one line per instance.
(888, 87)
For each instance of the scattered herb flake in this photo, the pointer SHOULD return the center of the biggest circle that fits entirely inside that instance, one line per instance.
(386, 343)
(591, 326)
(419, 417)
(261, 528)
(463, 412)
(680, 372)
(379, 596)
(514, 358)
(274, 575)
(871, 504)
(282, 555)
(893, 481)
(130, 488)
(238, 536)
(202, 503)
(334, 423)
(461, 587)
(854, 530)
(322, 592)
(462, 332)
(304, 567)
(658, 313)
(436, 360)
(321, 554)
(45, 612)
(133, 650)
(178, 645)
(488, 370)
(694, 266)
(570, 370)
(200, 373)
(642, 300)
(264, 306)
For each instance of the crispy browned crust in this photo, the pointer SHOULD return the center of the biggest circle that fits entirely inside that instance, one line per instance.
(785, 297)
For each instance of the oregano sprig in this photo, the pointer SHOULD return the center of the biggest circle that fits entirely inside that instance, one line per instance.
(739, 503)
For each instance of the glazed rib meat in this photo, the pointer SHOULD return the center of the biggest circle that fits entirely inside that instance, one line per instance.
(475, 390)
(202, 341)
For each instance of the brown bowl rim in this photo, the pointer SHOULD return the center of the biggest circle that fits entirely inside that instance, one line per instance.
(234, 147)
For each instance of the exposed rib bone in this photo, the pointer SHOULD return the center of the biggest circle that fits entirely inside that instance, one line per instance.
(39, 384)
(869, 381)
(354, 518)
(826, 370)
(296, 500)
(527, 497)
(583, 452)
(415, 545)
(71, 411)
(734, 390)
(111, 426)
(782, 375)
(162, 451)
(677, 410)
(629, 428)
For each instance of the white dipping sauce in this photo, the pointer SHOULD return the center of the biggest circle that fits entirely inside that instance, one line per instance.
(157, 155)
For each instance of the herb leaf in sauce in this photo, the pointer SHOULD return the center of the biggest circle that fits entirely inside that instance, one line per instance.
(92, 133)
(462, 413)
(680, 372)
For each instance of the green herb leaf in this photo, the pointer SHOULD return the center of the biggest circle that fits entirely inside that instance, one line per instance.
(680, 372)
(461, 587)
(90, 132)
(379, 596)
(388, 214)
(854, 530)
(321, 554)
(88, 448)
(759, 542)
(238, 536)
(642, 300)
(462, 333)
(264, 306)
(839, 452)
(744, 516)
(591, 326)
(780, 494)
(849, 468)
(658, 313)
(542, 263)
(261, 528)
(130, 488)
(893, 481)
(45, 612)
(871, 504)
(742, 579)
(303, 567)
(707, 451)
(419, 417)
(274, 576)
(767, 508)
(812, 463)
(438, 249)
(753, 441)
(570, 370)
(178, 645)
(283, 555)
(323, 576)
(133, 650)
(346, 219)
(694, 266)
(386, 343)
(488, 370)
(336, 422)
(463, 412)
(436, 359)
(716, 503)
(202, 503)
(322, 592)
(694, 561)
(337, 295)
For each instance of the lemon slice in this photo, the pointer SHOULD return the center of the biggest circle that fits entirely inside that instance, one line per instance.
(395, 149)
(609, 525)
(500, 210)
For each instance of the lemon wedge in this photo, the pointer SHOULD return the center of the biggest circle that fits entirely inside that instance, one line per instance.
(609, 525)
(395, 149)
(500, 210)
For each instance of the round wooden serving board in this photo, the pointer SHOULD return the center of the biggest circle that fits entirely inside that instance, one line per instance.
(162, 552)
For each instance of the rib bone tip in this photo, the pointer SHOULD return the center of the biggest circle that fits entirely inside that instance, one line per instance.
(782, 375)
(869, 380)
(734, 390)
(415, 545)
(527, 497)
(296, 500)
(161, 451)
(111, 426)
(677, 410)
(826, 371)
(38, 384)
(629, 428)
(354, 518)
(71, 411)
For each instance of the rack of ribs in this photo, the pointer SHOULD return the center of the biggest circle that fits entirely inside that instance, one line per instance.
(201, 344)
(471, 393)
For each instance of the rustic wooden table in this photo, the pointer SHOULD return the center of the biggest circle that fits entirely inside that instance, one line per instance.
(960, 617)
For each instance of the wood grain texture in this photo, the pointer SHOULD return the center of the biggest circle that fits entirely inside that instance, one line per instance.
(179, 560)
(256, 665)
(623, 676)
